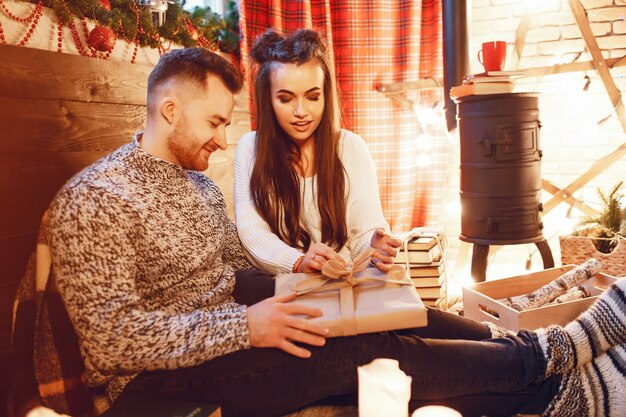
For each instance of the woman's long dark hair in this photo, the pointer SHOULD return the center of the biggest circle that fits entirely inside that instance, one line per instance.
(274, 184)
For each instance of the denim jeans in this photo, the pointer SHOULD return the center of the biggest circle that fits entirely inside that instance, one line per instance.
(494, 377)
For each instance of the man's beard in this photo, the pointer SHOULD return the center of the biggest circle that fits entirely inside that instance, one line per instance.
(180, 144)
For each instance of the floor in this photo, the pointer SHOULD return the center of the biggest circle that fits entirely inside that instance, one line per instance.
(326, 411)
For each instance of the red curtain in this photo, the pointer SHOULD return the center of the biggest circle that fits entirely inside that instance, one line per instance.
(373, 43)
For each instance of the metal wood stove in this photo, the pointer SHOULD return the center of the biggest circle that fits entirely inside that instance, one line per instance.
(500, 175)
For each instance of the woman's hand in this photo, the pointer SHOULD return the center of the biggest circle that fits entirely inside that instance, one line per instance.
(315, 258)
(386, 249)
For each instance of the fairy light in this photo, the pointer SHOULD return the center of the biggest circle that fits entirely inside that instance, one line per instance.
(454, 208)
(428, 116)
(424, 142)
(423, 160)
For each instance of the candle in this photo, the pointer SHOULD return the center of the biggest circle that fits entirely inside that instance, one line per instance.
(435, 411)
(384, 390)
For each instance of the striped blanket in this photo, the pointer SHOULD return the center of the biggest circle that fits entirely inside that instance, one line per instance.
(47, 363)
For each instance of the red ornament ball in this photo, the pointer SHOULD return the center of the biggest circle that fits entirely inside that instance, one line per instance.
(193, 33)
(102, 39)
(105, 5)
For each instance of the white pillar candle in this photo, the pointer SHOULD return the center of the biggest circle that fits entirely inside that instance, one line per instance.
(384, 390)
(436, 411)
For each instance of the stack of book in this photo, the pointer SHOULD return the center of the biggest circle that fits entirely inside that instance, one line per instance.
(424, 256)
(491, 82)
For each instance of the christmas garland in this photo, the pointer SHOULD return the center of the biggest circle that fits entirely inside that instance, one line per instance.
(128, 20)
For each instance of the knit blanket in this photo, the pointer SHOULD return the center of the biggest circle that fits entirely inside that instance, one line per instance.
(47, 363)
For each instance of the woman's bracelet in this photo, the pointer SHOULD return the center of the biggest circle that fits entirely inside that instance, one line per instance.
(296, 264)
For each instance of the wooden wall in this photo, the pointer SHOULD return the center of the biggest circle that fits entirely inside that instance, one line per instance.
(59, 113)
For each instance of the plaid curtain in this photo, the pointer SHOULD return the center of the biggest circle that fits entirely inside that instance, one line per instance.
(377, 42)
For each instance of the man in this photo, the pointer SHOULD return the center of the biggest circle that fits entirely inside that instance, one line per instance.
(144, 255)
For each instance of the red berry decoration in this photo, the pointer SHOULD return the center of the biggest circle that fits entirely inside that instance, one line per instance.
(102, 39)
(106, 5)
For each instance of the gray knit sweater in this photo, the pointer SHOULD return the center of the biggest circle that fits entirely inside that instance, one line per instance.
(144, 256)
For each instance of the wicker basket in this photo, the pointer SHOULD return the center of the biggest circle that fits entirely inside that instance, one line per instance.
(577, 249)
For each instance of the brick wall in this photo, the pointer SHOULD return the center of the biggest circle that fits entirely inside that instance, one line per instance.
(571, 138)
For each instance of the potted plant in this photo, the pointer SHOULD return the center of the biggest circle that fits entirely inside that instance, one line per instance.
(602, 237)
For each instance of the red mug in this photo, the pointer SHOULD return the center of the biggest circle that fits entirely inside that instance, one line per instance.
(493, 55)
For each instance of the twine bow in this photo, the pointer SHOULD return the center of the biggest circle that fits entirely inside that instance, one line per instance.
(337, 270)
(337, 275)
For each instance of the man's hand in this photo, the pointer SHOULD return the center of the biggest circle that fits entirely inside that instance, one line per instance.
(317, 255)
(386, 249)
(273, 323)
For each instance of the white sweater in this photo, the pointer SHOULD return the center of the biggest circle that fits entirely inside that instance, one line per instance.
(363, 209)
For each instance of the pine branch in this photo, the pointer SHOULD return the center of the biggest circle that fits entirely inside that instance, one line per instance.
(605, 228)
(122, 19)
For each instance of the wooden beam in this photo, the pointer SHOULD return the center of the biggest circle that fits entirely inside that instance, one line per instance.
(597, 168)
(577, 204)
(520, 36)
(571, 67)
(402, 100)
(598, 60)
(421, 84)
(431, 84)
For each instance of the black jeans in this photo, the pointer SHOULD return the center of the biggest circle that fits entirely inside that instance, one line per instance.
(495, 377)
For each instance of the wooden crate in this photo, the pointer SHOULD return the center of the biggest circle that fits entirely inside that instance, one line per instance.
(482, 298)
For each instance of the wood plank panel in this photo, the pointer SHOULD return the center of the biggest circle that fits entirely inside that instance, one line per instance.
(15, 251)
(35, 125)
(30, 180)
(33, 73)
(7, 294)
(58, 114)
(5, 370)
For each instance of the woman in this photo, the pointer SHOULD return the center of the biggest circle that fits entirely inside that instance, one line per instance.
(305, 190)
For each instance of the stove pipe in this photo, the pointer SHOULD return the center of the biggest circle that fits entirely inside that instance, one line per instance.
(455, 52)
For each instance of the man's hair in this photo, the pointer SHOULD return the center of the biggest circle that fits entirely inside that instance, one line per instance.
(195, 65)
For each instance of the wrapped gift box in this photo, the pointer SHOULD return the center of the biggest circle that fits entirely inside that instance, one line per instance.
(366, 308)
(480, 301)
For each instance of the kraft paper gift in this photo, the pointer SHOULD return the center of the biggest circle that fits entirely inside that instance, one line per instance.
(357, 300)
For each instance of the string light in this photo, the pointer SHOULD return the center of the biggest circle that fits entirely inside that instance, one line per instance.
(424, 142)
(454, 208)
(423, 160)
(428, 116)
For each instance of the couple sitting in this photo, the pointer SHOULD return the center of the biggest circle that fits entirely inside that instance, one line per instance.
(147, 262)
